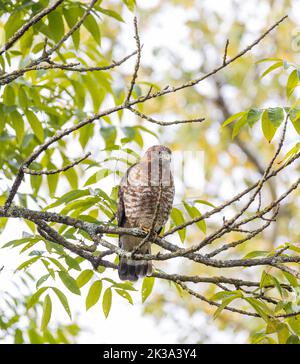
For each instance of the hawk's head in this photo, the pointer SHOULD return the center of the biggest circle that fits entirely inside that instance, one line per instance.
(158, 152)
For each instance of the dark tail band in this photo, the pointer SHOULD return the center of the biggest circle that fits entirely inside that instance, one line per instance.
(132, 270)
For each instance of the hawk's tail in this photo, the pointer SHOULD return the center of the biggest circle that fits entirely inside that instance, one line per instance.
(131, 270)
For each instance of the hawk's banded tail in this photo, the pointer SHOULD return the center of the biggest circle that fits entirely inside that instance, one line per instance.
(131, 270)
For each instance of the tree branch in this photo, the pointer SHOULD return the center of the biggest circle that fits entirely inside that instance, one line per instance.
(55, 171)
(138, 61)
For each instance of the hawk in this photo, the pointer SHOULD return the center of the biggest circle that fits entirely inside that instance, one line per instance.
(145, 201)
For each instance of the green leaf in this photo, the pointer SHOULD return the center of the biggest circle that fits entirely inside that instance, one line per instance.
(283, 333)
(23, 100)
(268, 128)
(194, 213)
(26, 41)
(253, 116)
(112, 14)
(124, 286)
(129, 131)
(238, 125)
(295, 118)
(42, 280)
(255, 254)
(294, 323)
(272, 68)
(147, 287)
(71, 15)
(269, 60)
(91, 25)
(258, 337)
(125, 295)
(52, 181)
(266, 280)
(293, 339)
(72, 178)
(19, 339)
(57, 263)
(72, 263)
(292, 82)
(18, 125)
(130, 4)
(69, 282)
(34, 337)
(35, 297)
(68, 197)
(233, 118)
(28, 263)
(224, 304)
(9, 96)
(296, 124)
(35, 124)
(109, 135)
(259, 307)
(204, 202)
(225, 294)
(84, 277)
(47, 310)
(290, 154)
(178, 218)
(94, 294)
(277, 285)
(13, 23)
(63, 299)
(106, 302)
(291, 279)
(56, 26)
(276, 116)
(103, 173)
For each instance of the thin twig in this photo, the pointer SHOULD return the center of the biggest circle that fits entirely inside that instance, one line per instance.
(164, 123)
(225, 52)
(138, 61)
(55, 171)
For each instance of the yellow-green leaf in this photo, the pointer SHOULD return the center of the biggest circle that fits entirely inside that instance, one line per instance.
(272, 68)
(94, 294)
(18, 125)
(35, 124)
(84, 277)
(268, 128)
(106, 302)
(292, 82)
(233, 118)
(63, 299)
(147, 287)
(69, 282)
(47, 310)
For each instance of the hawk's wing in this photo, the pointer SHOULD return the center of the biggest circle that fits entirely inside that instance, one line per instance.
(121, 216)
(121, 208)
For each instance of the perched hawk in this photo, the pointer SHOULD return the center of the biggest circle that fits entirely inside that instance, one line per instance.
(145, 200)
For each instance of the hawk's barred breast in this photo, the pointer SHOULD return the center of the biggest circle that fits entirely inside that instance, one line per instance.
(140, 205)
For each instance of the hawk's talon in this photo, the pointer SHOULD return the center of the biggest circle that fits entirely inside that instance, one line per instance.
(147, 230)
